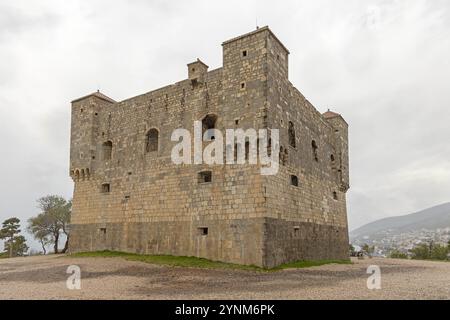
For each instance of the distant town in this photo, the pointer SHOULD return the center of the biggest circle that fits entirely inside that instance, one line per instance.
(390, 240)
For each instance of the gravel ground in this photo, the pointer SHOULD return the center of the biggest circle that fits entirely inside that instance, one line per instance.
(44, 277)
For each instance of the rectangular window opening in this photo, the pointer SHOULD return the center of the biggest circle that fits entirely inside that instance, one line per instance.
(294, 181)
(205, 177)
(203, 231)
(106, 188)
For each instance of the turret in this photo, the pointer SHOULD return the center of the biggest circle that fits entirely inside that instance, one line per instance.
(197, 71)
(86, 112)
(340, 130)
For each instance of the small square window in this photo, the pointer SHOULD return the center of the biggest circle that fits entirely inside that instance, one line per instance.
(203, 231)
(204, 177)
(244, 53)
(103, 230)
(242, 85)
(106, 188)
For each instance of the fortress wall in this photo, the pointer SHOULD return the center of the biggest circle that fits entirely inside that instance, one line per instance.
(154, 206)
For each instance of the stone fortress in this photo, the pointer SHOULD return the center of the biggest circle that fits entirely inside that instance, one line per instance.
(129, 195)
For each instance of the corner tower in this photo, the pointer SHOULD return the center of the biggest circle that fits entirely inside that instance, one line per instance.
(84, 135)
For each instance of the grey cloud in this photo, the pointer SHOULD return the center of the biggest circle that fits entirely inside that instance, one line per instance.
(14, 20)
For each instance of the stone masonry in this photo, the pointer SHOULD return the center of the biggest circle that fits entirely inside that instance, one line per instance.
(129, 195)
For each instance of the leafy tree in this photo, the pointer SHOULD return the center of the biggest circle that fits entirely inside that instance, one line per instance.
(368, 249)
(430, 251)
(65, 221)
(56, 217)
(439, 252)
(352, 250)
(421, 252)
(14, 244)
(40, 227)
(18, 246)
(396, 254)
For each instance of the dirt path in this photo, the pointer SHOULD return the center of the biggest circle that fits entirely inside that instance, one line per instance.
(44, 277)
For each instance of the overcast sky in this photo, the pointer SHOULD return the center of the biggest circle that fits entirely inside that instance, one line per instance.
(384, 65)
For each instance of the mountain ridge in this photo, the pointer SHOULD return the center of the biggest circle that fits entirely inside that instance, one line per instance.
(431, 218)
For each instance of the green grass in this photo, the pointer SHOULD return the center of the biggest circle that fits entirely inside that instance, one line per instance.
(194, 262)
(4, 255)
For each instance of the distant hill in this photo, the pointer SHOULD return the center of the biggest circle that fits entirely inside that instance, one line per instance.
(431, 219)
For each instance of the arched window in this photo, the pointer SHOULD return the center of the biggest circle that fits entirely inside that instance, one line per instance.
(209, 122)
(291, 133)
(281, 155)
(247, 150)
(152, 140)
(314, 150)
(335, 195)
(237, 150)
(332, 157)
(107, 150)
(77, 175)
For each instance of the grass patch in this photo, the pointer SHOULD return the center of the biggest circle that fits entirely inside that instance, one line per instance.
(194, 262)
(4, 255)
